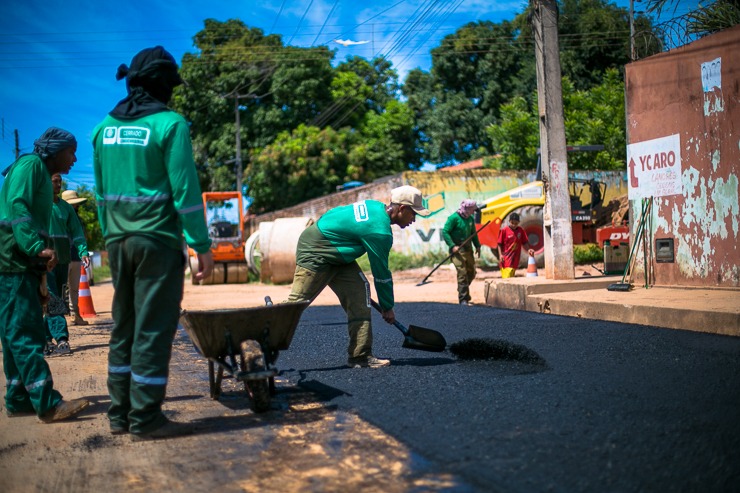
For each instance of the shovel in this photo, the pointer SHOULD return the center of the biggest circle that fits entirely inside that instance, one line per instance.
(418, 337)
(448, 257)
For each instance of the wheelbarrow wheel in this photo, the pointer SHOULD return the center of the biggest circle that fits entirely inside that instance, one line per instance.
(253, 360)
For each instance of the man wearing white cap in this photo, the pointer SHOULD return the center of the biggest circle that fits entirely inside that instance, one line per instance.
(73, 280)
(327, 255)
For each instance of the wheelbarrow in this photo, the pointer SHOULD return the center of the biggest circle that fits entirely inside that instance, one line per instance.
(245, 344)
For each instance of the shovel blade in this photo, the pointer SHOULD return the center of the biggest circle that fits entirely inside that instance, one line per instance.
(424, 339)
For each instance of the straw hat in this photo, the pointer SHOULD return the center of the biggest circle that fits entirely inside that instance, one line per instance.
(70, 197)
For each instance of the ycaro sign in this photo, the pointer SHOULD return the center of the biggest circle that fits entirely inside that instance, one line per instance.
(654, 167)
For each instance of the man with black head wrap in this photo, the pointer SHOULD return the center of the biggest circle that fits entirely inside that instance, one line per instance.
(148, 196)
(25, 254)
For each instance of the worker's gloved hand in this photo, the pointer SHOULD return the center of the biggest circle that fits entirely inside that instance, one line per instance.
(531, 252)
(85, 261)
(389, 316)
(454, 249)
(205, 265)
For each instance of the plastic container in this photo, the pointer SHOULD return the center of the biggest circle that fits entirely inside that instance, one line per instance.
(615, 258)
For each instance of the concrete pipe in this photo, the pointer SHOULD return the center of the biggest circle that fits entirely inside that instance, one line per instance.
(282, 243)
(253, 253)
(264, 231)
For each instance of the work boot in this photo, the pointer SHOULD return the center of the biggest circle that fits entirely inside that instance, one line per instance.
(80, 321)
(116, 429)
(62, 349)
(368, 362)
(49, 348)
(170, 429)
(64, 410)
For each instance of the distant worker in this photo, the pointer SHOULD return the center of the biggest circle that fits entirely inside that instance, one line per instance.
(66, 232)
(326, 256)
(511, 240)
(460, 226)
(25, 255)
(148, 195)
(77, 261)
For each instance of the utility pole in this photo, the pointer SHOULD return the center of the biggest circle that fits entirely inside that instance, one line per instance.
(238, 146)
(17, 147)
(633, 55)
(558, 230)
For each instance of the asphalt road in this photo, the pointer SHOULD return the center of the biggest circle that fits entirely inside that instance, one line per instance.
(616, 407)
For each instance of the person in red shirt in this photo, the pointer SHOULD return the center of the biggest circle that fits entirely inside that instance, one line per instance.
(511, 240)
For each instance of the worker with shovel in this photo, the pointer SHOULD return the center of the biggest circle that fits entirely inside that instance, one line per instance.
(327, 255)
(459, 232)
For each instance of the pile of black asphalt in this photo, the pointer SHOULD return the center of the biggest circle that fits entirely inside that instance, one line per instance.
(605, 406)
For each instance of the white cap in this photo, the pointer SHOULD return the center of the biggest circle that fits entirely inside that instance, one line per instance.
(410, 196)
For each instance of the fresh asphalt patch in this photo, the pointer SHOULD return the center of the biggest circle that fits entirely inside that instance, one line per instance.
(603, 406)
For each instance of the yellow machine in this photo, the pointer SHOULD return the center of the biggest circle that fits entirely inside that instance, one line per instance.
(224, 213)
(528, 200)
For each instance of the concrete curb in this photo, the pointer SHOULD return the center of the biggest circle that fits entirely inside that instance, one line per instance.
(715, 311)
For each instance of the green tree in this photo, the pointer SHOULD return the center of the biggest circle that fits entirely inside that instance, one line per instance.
(279, 88)
(593, 116)
(385, 144)
(300, 165)
(88, 214)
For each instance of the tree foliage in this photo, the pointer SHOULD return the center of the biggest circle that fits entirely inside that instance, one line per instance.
(307, 126)
(592, 116)
(300, 165)
(481, 68)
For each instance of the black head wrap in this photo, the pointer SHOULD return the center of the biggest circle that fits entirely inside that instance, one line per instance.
(51, 142)
(149, 80)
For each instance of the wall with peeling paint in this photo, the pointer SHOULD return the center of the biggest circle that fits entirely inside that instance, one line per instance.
(443, 192)
(692, 92)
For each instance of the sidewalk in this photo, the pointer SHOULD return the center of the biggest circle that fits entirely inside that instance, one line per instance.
(711, 310)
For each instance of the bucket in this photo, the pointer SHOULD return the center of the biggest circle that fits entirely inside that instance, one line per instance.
(615, 258)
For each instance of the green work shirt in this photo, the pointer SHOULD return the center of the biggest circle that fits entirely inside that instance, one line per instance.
(457, 229)
(25, 210)
(146, 183)
(344, 234)
(65, 229)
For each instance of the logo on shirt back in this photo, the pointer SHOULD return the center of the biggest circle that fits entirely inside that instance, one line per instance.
(138, 136)
(361, 213)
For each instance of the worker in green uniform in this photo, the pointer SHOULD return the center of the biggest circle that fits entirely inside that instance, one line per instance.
(148, 196)
(326, 256)
(458, 228)
(64, 229)
(25, 255)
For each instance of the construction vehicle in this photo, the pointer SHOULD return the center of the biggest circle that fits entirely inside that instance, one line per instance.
(224, 212)
(528, 200)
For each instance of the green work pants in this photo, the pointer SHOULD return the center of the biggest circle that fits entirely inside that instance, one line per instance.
(148, 282)
(56, 325)
(353, 290)
(29, 384)
(464, 263)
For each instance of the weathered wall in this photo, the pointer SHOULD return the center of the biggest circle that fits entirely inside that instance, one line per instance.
(443, 192)
(691, 94)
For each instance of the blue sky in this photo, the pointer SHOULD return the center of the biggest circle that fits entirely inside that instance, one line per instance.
(58, 59)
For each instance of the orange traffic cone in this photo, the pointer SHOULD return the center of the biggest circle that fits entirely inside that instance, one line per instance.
(531, 267)
(85, 302)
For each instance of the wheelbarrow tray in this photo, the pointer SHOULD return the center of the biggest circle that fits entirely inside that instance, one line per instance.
(273, 325)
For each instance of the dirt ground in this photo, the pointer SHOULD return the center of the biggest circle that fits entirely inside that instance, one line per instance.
(308, 444)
